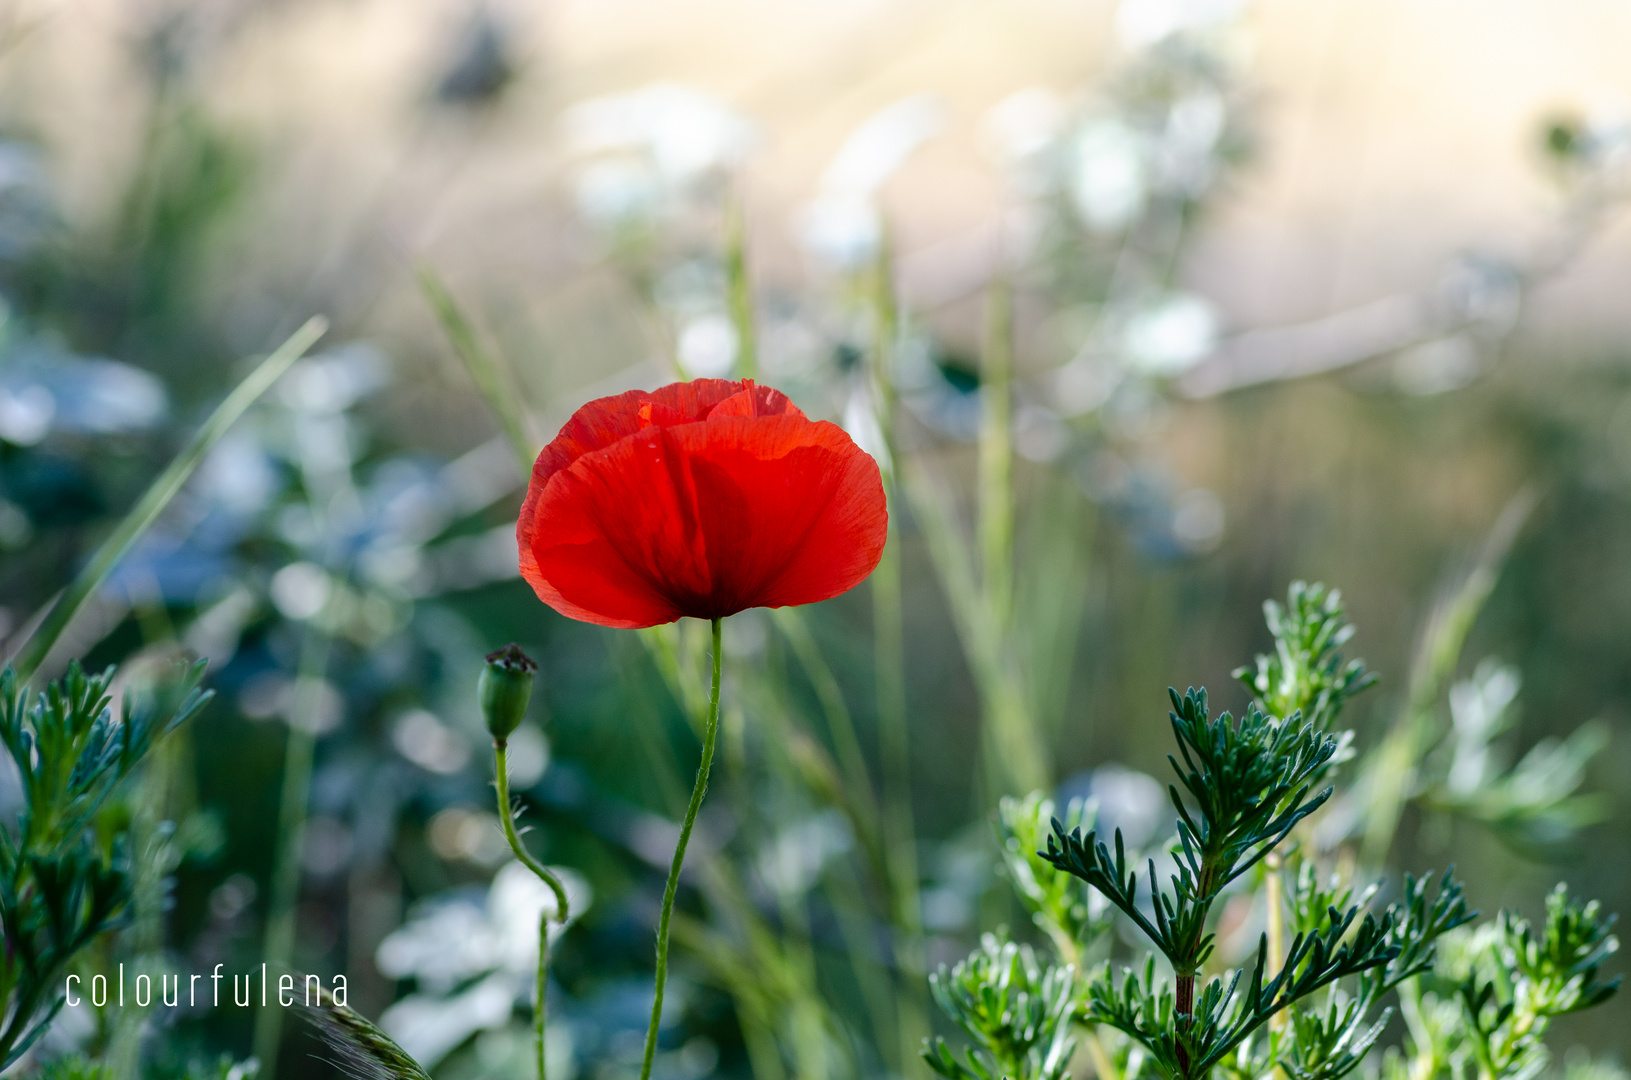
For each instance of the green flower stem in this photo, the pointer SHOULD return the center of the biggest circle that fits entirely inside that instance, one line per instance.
(506, 815)
(709, 735)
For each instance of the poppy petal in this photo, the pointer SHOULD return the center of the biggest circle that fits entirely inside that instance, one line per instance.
(792, 512)
(632, 519)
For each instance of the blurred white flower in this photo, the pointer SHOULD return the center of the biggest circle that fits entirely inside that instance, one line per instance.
(1478, 711)
(793, 861)
(1082, 385)
(238, 475)
(1039, 435)
(880, 145)
(1197, 520)
(612, 192)
(1022, 125)
(1171, 336)
(707, 346)
(861, 421)
(1195, 121)
(430, 744)
(1142, 23)
(457, 832)
(451, 941)
(334, 381)
(429, 1028)
(1109, 186)
(841, 226)
(26, 413)
(1127, 799)
(1433, 367)
(1186, 159)
(300, 590)
(841, 231)
(111, 397)
(325, 846)
(529, 755)
(44, 388)
(684, 132)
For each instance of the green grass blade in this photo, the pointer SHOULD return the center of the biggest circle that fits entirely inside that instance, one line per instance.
(739, 292)
(483, 368)
(158, 495)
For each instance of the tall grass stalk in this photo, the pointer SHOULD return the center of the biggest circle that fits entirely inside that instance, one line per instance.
(1389, 780)
(739, 293)
(169, 483)
(483, 367)
(1014, 757)
(298, 753)
(889, 675)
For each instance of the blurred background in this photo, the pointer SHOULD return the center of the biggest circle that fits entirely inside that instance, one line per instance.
(1150, 307)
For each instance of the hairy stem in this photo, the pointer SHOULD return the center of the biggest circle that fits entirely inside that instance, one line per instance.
(709, 736)
(1185, 1007)
(506, 816)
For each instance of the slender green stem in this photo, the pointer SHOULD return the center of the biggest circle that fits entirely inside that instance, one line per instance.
(740, 293)
(489, 378)
(506, 815)
(1273, 899)
(285, 892)
(709, 736)
(996, 457)
(889, 659)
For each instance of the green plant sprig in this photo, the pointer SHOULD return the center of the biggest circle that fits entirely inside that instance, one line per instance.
(1525, 980)
(1061, 905)
(1016, 1010)
(65, 879)
(1250, 783)
(1306, 672)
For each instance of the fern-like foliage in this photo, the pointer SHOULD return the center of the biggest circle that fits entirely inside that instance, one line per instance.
(1016, 1010)
(1306, 672)
(1061, 905)
(65, 877)
(1250, 782)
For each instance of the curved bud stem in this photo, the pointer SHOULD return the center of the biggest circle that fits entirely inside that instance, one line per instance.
(506, 815)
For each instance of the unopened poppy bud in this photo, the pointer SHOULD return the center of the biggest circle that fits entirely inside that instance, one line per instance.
(504, 690)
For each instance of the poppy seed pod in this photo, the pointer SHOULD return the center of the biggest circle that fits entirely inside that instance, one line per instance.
(504, 689)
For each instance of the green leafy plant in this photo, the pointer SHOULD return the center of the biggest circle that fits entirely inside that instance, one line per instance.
(1310, 1008)
(65, 873)
(1015, 1009)
(1071, 914)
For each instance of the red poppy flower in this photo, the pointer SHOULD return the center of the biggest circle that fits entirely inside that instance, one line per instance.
(702, 499)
